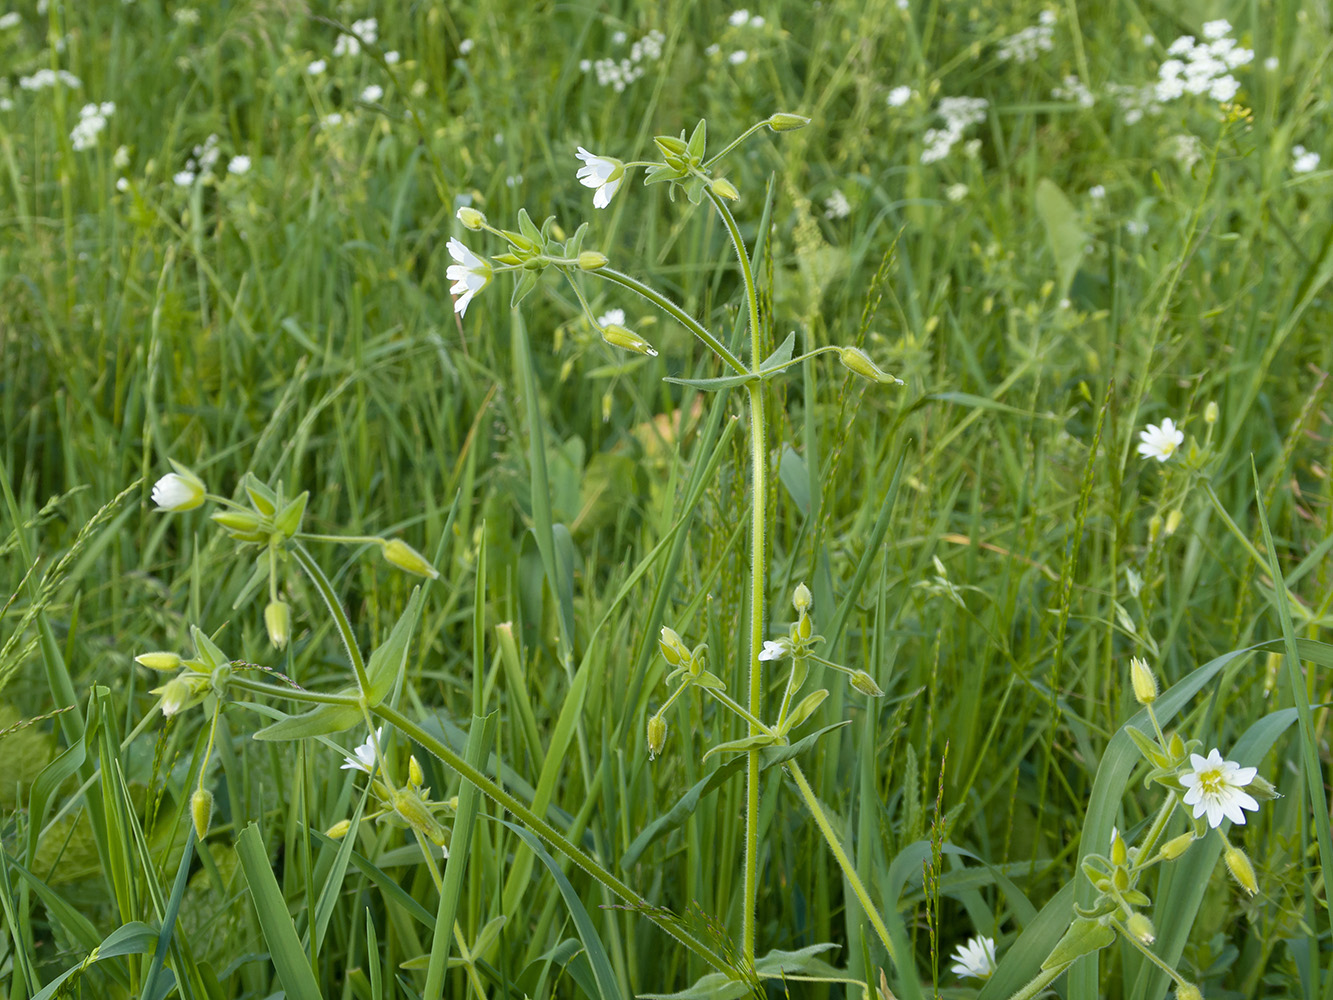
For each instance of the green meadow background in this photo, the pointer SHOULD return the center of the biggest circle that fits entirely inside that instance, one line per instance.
(990, 544)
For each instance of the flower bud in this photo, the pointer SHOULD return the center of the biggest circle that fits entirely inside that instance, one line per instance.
(591, 260)
(417, 815)
(165, 662)
(176, 694)
(673, 650)
(657, 734)
(278, 621)
(201, 811)
(785, 122)
(1210, 413)
(1177, 846)
(339, 829)
(408, 559)
(178, 491)
(858, 361)
(471, 218)
(1262, 789)
(1241, 869)
(1119, 854)
(1145, 684)
(801, 599)
(1173, 520)
(1141, 927)
(414, 775)
(725, 188)
(1188, 991)
(238, 522)
(1175, 747)
(864, 683)
(670, 145)
(622, 337)
(803, 628)
(1154, 528)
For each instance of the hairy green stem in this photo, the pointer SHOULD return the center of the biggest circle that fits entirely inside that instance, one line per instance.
(292, 694)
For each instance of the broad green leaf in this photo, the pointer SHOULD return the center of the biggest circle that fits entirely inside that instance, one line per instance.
(805, 962)
(1064, 233)
(698, 140)
(780, 357)
(319, 721)
(744, 745)
(714, 986)
(713, 384)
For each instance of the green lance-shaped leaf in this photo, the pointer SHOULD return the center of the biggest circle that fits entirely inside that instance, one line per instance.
(1083, 938)
(322, 720)
(388, 661)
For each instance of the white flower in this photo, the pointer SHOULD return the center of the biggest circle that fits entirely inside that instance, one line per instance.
(363, 757)
(616, 316)
(1097, 192)
(775, 649)
(976, 958)
(317, 67)
(1161, 442)
(738, 57)
(332, 119)
(183, 178)
(738, 18)
(1136, 227)
(899, 96)
(372, 93)
(1271, 64)
(465, 46)
(392, 57)
(178, 491)
(10, 20)
(1302, 160)
(238, 165)
(601, 172)
(836, 206)
(956, 192)
(1214, 787)
(1216, 29)
(122, 184)
(470, 275)
(121, 158)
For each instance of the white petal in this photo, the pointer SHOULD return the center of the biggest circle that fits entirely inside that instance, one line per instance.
(1242, 776)
(1215, 811)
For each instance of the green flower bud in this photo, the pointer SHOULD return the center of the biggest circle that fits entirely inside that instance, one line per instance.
(1175, 747)
(1210, 413)
(1173, 520)
(673, 650)
(165, 662)
(409, 560)
(416, 814)
(1188, 991)
(801, 599)
(238, 522)
(726, 189)
(864, 683)
(1141, 927)
(657, 734)
(201, 811)
(1145, 684)
(1177, 846)
(803, 628)
(591, 260)
(181, 692)
(278, 621)
(1154, 528)
(414, 776)
(339, 829)
(471, 218)
(856, 360)
(784, 121)
(670, 145)
(626, 339)
(1262, 789)
(1241, 869)
(1119, 853)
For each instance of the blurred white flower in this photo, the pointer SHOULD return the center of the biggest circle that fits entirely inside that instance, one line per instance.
(470, 274)
(1161, 442)
(1302, 160)
(1097, 192)
(238, 165)
(183, 178)
(899, 96)
(976, 958)
(466, 46)
(372, 93)
(392, 57)
(836, 206)
(10, 20)
(738, 57)
(738, 18)
(1213, 787)
(317, 67)
(601, 172)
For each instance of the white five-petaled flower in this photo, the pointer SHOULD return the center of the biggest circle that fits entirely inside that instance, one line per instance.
(363, 757)
(1161, 442)
(177, 491)
(775, 649)
(1214, 787)
(470, 275)
(601, 172)
(976, 958)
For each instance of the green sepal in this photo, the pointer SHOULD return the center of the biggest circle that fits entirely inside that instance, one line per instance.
(804, 710)
(698, 140)
(1147, 746)
(574, 245)
(388, 661)
(528, 228)
(527, 281)
(1101, 908)
(658, 173)
(711, 681)
(289, 521)
(669, 144)
(207, 649)
(323, 720)
(261, 497)
(694, 190)
(1136, 898)
(1085, 936)
(518, 240)
(747, 744)
(508, 258)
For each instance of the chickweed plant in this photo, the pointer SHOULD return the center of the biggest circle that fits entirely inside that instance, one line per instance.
(462, 539)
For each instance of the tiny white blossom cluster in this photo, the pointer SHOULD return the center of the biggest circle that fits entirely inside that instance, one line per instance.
(836, 206)
(44, 78)
(1029, 43)
(1202, 67)
(1185, 149)
(1075, 90)
(12, 19)
(1303, 161)
(958, 113)
(366, 31)
(1134, 102)
(743, 18)
(900, 95)
(92, 119)
(620, 73)
(203, 161)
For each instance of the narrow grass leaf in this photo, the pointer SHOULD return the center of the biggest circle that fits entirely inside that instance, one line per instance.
(275, 922)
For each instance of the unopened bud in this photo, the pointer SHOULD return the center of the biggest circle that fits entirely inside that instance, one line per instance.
(670, 145)
(1241, 869)
(1145, 684)
(784, 121)
(801, 599)
(1175, 747)
(238, 522)
(1177, 846)
(726, 189)
(417, 815)
(864, 683)
(414, 775)
(803, 627)
(657, 734)
(626, 339)
(339, 829)
(1188, 991)
(673, 650)
(471, 218)
(1210, 414)
(165, 662)
(1262, 788)
(1173, 520)
(1141, 927)
(1119, 853)
(278, 621)
(1154, 528)
(201, 811)
(408, 559)
(591, 260)
(858, 361)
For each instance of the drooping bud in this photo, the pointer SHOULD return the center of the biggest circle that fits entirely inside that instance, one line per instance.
(179, 491)
(1145, 684)
(657, 734)
(626, 339)
(165, 662)
(339, 829)
(471, 218)
(1241, 869)
(591, 260)
(801, 599)
(1177, 846)
(784, 121)
(400, 554)
(278, 621)
(673, 650)
(725, 188)
(864, 683)
(201, 811)
(1141, 927)
(858, 361)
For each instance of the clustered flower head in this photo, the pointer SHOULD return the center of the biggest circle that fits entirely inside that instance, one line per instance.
(959, 113)
(620, 73)
(1161, 442)
(1303, 161)
(1027, 44)
(1214, 786)
(92, 119)
(1202, 67)
(44, 78)
(1075, 90)
(365, 31)
(976, 958)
